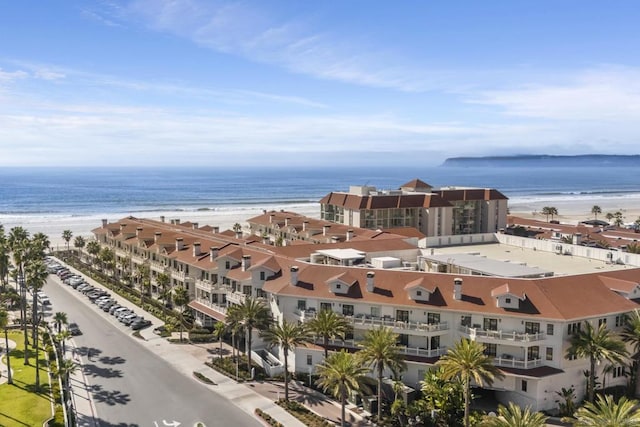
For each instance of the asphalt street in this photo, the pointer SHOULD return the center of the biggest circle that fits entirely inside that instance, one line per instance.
(131, 386)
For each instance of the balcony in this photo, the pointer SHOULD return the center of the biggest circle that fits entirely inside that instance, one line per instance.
(305, 315)
(407, 351)
(204, 284)
(216, 307)
(236, 297)
(493, 336)
(157, 266)
(508, 361)
(363, 321)
(181, 275)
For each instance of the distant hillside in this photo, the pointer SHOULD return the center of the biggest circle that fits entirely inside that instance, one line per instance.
(541, 160)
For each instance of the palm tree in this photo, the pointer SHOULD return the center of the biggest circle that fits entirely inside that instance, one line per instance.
(66, 236)
(18, 242)
(380, 352)
(143, 276)
(61, 319)
(36, 275)
(181, 299)
(467, 361)
(598, 345)
(219, 329)
(287, 336)
(93, 247)
(4, 324)
(549, 210)
(329, 325)
(234, 324)
(631, 334)
(342, 374)
(79, 243)
(618, 219)
(606, 412)
(106, 256)
(42, 243)
(4, 258)
(65, 369)
(254, 314)
(62, 337)
(596, 210)
(515, 416)
(163, 280)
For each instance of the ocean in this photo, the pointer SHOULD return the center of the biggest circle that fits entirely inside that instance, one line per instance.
(41, 198)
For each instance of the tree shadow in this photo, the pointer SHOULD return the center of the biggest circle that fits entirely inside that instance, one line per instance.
(111, 360)
(14, 422)
(97, 371)
(111, 398)
(225, 352)
(83, 420)
(90, 352)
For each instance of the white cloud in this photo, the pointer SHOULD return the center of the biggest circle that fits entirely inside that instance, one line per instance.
(10, 76)
(606, 93)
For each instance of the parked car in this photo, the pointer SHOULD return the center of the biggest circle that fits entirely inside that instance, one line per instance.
(140, 324)
(114, 307)
(107, 305)
(74, 329)
(127, 320)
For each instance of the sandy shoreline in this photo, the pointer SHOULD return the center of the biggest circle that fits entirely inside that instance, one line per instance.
(570, 211)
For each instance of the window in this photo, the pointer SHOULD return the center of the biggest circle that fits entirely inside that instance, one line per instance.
(490, 324)
(375, 311)
(325, 306)
(309, 360)
(618, 371)
(338, 286)
(227, 265)
(434, 342)
(620, 320)
(403, 340)
(573, 328)
(347, 309)
(531, 327)
(549, 353)
(302, 304)
(402, 315)
(533, 353)
(572, 356)
(465, 321)
(507, 300)
(262, 275)
(602, 321)
(523, 386)
(433, 318)
(419, 293)
(491, 350)
(549, 328)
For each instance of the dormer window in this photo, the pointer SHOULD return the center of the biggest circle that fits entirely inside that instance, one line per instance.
(338, 286)
(507, 300)
(419, 293)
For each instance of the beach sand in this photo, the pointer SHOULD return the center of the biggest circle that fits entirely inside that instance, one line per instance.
(570, 211)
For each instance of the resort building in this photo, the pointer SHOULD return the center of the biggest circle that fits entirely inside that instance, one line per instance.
(434, 212)
(373, 279)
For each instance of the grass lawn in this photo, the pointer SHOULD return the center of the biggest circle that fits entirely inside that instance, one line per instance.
(20, 404)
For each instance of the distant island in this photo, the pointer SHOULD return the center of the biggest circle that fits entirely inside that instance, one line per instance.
(543, 160)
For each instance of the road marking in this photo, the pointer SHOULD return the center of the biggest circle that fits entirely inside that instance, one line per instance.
(167, 423)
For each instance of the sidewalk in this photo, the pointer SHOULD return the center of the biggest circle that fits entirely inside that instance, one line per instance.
(81, 399)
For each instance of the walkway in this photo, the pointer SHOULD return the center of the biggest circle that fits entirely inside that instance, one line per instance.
(4, 372)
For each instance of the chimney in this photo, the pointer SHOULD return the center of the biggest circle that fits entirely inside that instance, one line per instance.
(177, 221)
(156, 236)
(196, 249)
(325, 229)
(265, 240)
(161, 218)
(214, 253)
(457, 288)
(349, 234)
(104, 223)
(305, 224)
(370, 282)
(577, 239)
(138, 231)
(286, 221)
(179, 244)
(271, 217)
(173, 221)
(335, 239)
(215, 229)
(195, 225)
(239, 234)
(294, 275)
(246, 262)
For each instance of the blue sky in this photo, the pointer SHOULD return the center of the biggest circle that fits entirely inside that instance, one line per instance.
(153, 82)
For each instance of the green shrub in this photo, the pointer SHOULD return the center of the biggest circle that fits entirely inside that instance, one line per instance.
(268, 418)
(203, 378)
(303, 414)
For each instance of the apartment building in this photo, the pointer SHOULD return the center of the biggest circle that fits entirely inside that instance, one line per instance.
(525, 324)
(434, 212)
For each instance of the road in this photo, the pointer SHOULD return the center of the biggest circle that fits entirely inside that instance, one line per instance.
(131, 386)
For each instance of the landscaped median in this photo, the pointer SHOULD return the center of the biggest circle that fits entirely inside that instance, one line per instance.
(21, 404)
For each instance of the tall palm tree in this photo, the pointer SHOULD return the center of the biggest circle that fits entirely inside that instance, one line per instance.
(329, 325)
(219, 329)
(181, 298)
(65, 369)
(62, 337)
(380, 352)
(36, 275)
(18, 240)
(93, 247)
(467, 361)
(342, 374)
(254, 315)
(606, 412)
(79, 243)
(234, 324)
(41, 244)
(4, 324)
(631, 335)
(61, 319)
(597, 345)
(549, 210)
(163, 280)
(515, 416)
(143, 276)
(596, 210)
(287, 336)
(4, 258)
(66, 236)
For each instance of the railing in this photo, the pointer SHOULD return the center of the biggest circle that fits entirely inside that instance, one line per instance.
(216, 307)
(236, 297)
(511, 362)
(269, 362)
(474, 333)
(365, 320)
(179, 274)
(204, 284)
(158, 266)
(409, 351)
(305, 315)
